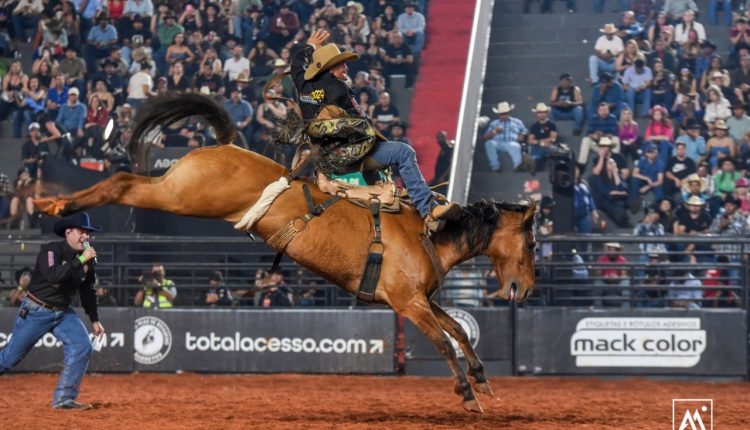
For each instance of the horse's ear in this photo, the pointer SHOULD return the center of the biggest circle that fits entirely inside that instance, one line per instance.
(530, 215)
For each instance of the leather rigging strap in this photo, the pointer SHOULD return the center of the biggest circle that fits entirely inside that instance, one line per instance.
(374, 260)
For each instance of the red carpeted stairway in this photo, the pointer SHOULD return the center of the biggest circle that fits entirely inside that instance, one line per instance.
(437, 92)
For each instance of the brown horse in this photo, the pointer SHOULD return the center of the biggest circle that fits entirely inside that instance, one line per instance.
(224, 181)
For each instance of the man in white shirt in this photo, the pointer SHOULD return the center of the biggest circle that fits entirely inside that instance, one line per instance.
(605, 51)
(682, 31)
(636, 81)
(140, 85)
(236, 64)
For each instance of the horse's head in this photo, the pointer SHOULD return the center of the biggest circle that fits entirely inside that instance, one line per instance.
(511, 250)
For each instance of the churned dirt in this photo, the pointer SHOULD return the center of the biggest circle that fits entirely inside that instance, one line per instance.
(190, 401)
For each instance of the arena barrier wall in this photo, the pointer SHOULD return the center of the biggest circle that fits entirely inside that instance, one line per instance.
(115, 356)
(707, 342)
(489, 330)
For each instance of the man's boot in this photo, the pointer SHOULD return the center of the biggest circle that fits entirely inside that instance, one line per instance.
(435, 221)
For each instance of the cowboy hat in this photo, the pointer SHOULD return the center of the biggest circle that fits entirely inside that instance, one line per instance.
(605, 141)
(79, 220)
(540, 107)
(243, 77)
(139, 54)
(608, 29)
(695, 201)
(503, 107)
(326, 57)
(613, 245)
(279, 62)
(694, 178)
(356, 5)
(721, 124)
(724, 78)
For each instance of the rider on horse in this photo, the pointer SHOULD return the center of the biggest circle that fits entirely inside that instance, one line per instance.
(319, 73)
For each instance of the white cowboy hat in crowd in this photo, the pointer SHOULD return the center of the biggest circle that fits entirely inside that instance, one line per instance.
(503, 107)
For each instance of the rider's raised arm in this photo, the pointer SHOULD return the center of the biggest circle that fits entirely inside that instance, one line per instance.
(300, 61)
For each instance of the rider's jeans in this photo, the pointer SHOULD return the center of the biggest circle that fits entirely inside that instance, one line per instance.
(402, 156)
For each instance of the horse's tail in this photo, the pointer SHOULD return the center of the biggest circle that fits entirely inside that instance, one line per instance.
(162, 111)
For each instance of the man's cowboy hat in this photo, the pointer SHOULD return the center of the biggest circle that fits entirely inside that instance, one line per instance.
(243, 77)
(279, 62)
(356, 5)
(608, 29)
(605, 141)
(721, 124)
(613, 245)
(724, 77)
(326, 57)
(694, 178)
(503, 107)
(79, 220)
(540, 107)
(139, 54)
(695, 201)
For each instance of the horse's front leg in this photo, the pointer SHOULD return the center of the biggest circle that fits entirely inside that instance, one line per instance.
(476, 368)
(418, 311)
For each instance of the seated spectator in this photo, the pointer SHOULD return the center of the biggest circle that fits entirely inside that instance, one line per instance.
(708, 75)
(662, 86)
(29, 107)
(241, 113)
(637, 85)
(606, 49)
(740, 79)
(719, 146)
(179, 52)
(542, 137)
(612, 271)
(660, 30)
(567, 103)
(209, 83)
(706, 60)
(691, 222)
(659, 131)
(274, 291)
(384, 111)
(236, 64)
(720, 80)
(695, 143)
(261, 59)
(99, 41)
(74, 69)
(42, 70)
(654, 276)
(729, 223)
(629, 134)
(21, 203)
(72, 115)
(603, 124)
(695, 185)
(717, 107)
(739, 36)
(627, 57)
(504, 134)
(254, 26)
(726, 177)
(738, 123)
(611, 193)
(15, 84)
(689, 51)
(679, 167)
(688, 24)
(630, 28)
(34, 150)
(686, 298)
(411, 24)
(284, 25)
(584, 207)
(399, 59)
(217, 293)
(138, 9)
(686, 83)
(269, 115)
(609, 92)
(397, 133)
(599, 5)
(105, 97)
(742, 195)
(115, 83)
(26, 15)
(97, 116)
(158, 292)
(647, 177)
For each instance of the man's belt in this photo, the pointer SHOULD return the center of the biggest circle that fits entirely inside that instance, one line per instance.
(43, 304)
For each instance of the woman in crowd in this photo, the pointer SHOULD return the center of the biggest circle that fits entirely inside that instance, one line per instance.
(97, 116)
(613, 194)
(686, 83)
(357, 21)
(717, 107)
(627, 57)
(44, 73)
(22, 201)
(15, 85)
(270, 114)
(177, 80)
(261, 58)
(212, 21)
(102, 93)
(690, 50)
(179, 52)
(715, 65)
(190, 19)
(687, 109)
(660, 132)
(661, 29)
(385, 22)
(662, 86)
(742, 194)
(726, 178)
(629, 134)
(720, 145)
(32, 104)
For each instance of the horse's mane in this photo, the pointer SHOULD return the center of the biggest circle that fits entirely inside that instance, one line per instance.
(162, 111)
(477, 222)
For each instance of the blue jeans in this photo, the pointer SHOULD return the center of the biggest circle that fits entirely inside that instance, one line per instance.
(493, 146)
(402, 156)
(635, 193)
(576, 115)
(415, 42)
(67, 328)
(599, 5)
(713, 10)
(644, 98)
(21, 116)
(597, 66)
(23, 22)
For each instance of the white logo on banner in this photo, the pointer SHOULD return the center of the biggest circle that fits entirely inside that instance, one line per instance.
(152, 339)
(692, 414)
(470, 326)
(638, 342)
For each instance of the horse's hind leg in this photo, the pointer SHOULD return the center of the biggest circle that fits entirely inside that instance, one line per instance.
(121, 188)
(418, 311)
(476, 368)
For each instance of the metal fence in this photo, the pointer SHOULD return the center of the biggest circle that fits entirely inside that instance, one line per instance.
(571, 271)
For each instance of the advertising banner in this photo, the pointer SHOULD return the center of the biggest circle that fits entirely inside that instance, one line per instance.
(116, 354)
(293, 340)
(638, 341)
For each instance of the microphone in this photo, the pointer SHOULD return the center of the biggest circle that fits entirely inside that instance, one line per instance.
(87, 245)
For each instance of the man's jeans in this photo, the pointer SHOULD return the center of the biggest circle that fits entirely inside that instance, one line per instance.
(597, 66)
(402, 156)
(24, 22)
(599, 5)
(493, 146)
(576, 115)
(713, 11)
(644, 98)
(67, 328)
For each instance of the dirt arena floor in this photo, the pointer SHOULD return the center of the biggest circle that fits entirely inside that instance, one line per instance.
(190, 401)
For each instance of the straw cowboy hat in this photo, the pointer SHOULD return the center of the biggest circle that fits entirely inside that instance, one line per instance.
(279, 62)
(608, 29)
(139, 54)
(695, 201)
(326, 57)
(503, 107)
(356, 5)
(721, 124)
(540, 107)
(613, 245)
(694, 178)
(243, 77)
(605, 141)
(724, 77)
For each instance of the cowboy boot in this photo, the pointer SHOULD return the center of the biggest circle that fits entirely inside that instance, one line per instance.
(435, 220)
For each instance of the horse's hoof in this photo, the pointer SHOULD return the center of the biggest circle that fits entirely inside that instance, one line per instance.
(473, 406)
(484, 388)
(51, 205)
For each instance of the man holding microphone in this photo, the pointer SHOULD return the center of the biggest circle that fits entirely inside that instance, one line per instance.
(62, 268)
